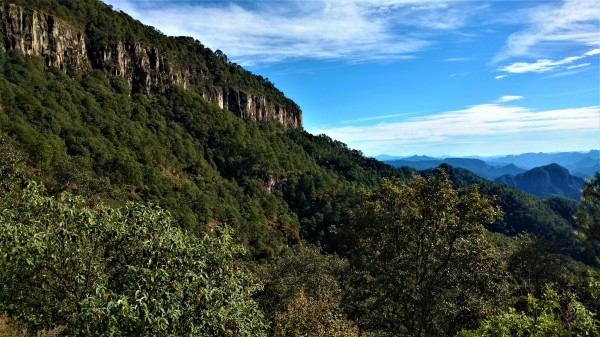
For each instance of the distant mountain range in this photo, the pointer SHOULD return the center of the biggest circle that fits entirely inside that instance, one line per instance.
(580, 164)
(481, 168)
(546, 180)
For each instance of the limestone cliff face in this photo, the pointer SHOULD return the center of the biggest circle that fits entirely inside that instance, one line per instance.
(254, 107)
(146, 69)
(34, 33)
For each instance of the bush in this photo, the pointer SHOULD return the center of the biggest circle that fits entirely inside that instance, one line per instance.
(123, 272)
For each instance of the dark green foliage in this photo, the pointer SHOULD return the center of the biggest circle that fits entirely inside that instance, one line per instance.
(566, 208)
(127, 271)
(531, 266)
(542, 317)
(301, 269)
(546, 180)
(425, 267)
(523, 213)
(200, 162)
(588, 218)
(415, 258)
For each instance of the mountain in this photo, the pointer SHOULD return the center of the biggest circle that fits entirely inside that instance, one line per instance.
(477, 166)
(583, 164)
(523, 213)
(546, 180)
(105, 107)
(83, 36)
(585, 167)
(385, 157)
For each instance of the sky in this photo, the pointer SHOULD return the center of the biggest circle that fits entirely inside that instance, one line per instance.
(414, 77)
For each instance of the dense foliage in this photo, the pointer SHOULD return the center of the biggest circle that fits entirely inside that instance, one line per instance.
(200, 162)
(117, 272)
(542, 317)
(551, 219)
(425, 264)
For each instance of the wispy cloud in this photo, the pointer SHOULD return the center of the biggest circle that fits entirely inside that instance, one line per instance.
(579, 66)
(508, 98)
(543, 66)
(458, 59)
(377, 117)
(273, 31)
(491, 124)
(574, 22)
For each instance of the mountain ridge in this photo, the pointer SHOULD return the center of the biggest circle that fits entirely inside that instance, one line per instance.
(582, 164)
(148, 60)
(483, 169)
(546, 180)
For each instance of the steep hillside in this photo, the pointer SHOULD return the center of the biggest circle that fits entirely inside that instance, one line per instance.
(90, 135)
(546, 180)
(86, 35)
(523, 212)
(88, 126)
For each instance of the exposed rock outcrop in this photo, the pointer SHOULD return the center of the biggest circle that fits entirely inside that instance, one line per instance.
(254, 107)
(146, 69)
(34, 33)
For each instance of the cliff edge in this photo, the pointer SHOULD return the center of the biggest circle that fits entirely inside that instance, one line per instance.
(86, 35)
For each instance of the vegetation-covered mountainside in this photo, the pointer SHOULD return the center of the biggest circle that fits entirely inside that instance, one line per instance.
(81, 36)
(134, 210)
(546, 180)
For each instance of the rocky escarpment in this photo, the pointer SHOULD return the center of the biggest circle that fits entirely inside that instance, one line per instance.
(34, 33)
(147, 69)
(254, 107)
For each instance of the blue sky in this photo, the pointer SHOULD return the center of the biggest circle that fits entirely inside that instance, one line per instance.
(405, 77)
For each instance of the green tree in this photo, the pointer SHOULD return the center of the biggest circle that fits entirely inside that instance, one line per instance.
(540, 319)
(303, 292)
(589, 216)
(120, 272)
(531, 266)
(309, 317)
(425, 266)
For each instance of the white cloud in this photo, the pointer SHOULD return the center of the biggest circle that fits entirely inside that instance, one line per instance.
(272, 31)
(508, 98)
(376, 118)
(458, 59)
(543, 66)
(593, 52)
(579, 66)
(571, 22)
(483, 125)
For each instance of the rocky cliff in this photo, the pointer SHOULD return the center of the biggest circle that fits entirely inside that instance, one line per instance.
(34, 33)
(148, 69)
